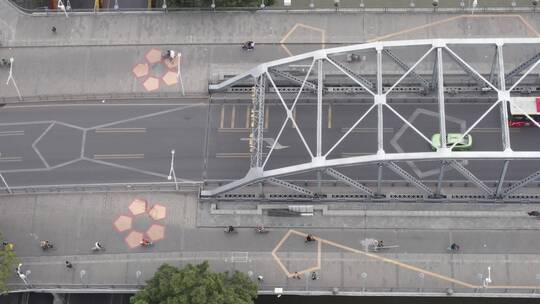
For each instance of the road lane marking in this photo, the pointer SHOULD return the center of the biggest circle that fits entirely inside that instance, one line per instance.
(329, 116)
(247, 116)
(236, 130)
(366, 130)
(266, 117)
(11, 133)
(118, 156)
(222, 121)
(233, 116)
(493, 130)
(120, 130)
(235, 155)
(10, 159)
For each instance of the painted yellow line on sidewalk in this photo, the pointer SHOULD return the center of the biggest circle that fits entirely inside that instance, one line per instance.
(11, 133)
(121, 130)
(118, 156)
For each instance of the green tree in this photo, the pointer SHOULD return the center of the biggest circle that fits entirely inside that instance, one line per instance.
(196, 284)
(8, 259)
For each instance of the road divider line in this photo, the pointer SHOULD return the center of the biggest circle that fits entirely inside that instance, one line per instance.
(10, 159)
(118, 156)
(235, 155)
(247, 117)
(222, 121)
(366, 130)
(351, 154)
(120, 130)
(329, 116)
(233, 116)
(11, 133)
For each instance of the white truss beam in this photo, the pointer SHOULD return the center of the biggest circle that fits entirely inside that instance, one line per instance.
(349, 181)
(522, 183)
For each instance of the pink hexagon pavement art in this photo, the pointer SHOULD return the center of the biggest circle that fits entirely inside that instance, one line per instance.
(123, 223)
(156, 232)
(157, 212)
(139, 207)
(133, 239)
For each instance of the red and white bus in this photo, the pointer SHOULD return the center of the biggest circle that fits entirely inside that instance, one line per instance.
(527, 105)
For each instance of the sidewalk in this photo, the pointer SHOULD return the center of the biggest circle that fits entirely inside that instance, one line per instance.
(73, 222)
(95, 56)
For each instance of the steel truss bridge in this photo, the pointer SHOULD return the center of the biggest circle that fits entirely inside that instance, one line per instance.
(442, 70)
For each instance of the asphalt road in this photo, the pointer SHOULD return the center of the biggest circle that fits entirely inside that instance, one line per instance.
(128, 143)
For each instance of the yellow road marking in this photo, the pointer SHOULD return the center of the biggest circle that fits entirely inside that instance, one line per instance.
(120, 130)
(233, 114)
(297, 25)
(248, 118)
(236, 130)
(118, 156)
(234, 155)
(222, 123)
(11, 133)
(266, 117)
(329, 116)
(367, 130)
(451, 19)
(493, 130)
(380, 258)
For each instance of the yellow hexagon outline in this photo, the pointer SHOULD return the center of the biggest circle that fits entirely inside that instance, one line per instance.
(303, 271)
(309, 27)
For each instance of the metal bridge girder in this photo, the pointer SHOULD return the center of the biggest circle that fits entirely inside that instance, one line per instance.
(349, 181)
(522, 67)
(290, 186)
(309, 85)
(522, 183)
(408, 177)
(470, 176)
(406, 67)
(320, 163)
(357, 76)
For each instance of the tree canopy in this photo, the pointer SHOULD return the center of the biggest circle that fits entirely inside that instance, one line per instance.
(8, 259)
(196, 284)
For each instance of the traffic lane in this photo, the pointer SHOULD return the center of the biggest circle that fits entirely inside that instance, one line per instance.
(146, 143)
(83, 115)
(81, 172)
(337, 119)
(16, 151)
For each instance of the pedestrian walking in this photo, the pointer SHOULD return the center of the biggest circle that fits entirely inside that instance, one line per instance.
(53, 29)
(534, 213)
(314, 276)
(260, 278)
(310, 238)
(296, 275)
(69, 265)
